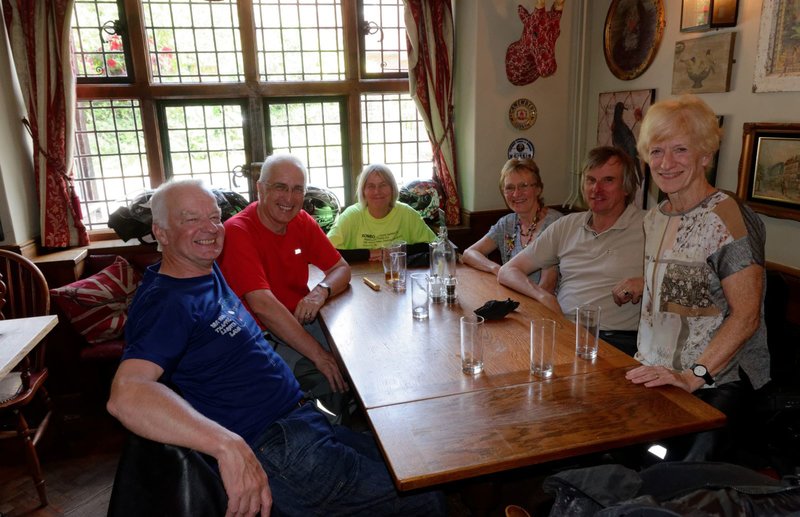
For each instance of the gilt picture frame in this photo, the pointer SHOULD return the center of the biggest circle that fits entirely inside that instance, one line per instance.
(632, 34)
(769, 169)
(777, 67)
(703, 65)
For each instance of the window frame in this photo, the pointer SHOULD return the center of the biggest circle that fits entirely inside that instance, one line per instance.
(253, 93)
(122, 23)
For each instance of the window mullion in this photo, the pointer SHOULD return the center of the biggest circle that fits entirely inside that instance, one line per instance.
(350, 23)
(137, 39)
(256, 132)
(247, 31)
(152, 139)
(354, 135)
(352, 70)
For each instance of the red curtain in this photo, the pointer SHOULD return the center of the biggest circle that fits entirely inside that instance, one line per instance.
(429, 27)
(39, 32)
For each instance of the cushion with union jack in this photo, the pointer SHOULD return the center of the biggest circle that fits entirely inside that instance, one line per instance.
(97, 306)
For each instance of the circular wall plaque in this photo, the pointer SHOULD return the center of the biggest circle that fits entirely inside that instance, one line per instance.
(522, 114)
(521, 148)
(633, 31)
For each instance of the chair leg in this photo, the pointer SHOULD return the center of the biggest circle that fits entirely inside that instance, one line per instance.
(33, 459)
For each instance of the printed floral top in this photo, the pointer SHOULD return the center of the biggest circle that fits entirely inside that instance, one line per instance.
(505, 234)
(687, 255)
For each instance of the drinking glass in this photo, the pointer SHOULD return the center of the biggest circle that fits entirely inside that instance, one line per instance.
(386, 257)
(543, 343)
(419, 296)
(587, 330)
(472, 344)
(398, 270)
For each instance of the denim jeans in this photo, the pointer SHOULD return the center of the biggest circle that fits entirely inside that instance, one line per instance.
(318, 469)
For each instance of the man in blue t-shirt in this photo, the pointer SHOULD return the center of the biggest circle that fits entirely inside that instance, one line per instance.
(238, 401)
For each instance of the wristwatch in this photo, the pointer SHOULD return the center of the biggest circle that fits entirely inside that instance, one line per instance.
(701, 371)
(325, 286)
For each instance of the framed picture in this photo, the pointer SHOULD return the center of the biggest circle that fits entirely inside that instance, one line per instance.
(618, 123)
(633, 31)
(695, 15)
(703, 65)
(701, 15)
(778, 54)
(769, 171)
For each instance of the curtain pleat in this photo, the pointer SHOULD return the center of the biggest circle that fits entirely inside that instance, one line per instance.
(39, 33)
(429, 27)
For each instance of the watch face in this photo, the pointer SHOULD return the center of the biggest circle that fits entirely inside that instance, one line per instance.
(699, 370)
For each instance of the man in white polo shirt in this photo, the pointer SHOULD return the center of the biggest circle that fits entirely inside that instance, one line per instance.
(598, 252)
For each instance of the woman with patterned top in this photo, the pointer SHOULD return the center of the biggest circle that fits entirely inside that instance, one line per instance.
(702, 324)
(521, 186)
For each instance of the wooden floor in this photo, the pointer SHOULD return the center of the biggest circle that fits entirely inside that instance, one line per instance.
(79, 458)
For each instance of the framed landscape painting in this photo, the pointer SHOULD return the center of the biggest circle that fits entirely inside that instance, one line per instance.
(769, 174)
(778, 57)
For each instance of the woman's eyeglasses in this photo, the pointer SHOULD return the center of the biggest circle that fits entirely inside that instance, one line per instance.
(510, 189)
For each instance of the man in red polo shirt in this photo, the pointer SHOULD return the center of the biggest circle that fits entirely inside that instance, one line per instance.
(268, 248)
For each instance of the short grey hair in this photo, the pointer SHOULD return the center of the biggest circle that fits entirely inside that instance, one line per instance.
(276, 159)
(158, 202)
(385, 173)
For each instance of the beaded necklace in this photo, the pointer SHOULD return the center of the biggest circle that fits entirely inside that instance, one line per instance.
(525, 235)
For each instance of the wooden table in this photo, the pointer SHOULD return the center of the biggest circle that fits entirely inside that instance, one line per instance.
(436, 424)
(19, 336)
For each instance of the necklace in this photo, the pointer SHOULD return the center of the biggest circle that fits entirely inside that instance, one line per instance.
(528, 232)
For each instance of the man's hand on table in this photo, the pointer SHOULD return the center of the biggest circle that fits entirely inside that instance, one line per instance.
(308, 308)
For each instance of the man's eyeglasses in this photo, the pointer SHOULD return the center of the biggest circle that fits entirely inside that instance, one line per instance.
(510, 189)
(283, 188)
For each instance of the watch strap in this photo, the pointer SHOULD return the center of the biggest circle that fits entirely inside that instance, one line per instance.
(706, 376)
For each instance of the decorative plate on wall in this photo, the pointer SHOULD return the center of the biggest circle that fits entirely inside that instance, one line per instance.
(522, 114)
(521, 148)
(633, 31)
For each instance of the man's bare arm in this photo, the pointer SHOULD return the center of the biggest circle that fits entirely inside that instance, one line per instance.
(152, 410)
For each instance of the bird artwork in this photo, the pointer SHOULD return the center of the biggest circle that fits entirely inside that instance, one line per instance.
(622, 136)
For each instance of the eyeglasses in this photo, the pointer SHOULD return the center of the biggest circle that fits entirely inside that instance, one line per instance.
(510, 189)
(376, 186)
(283, 188)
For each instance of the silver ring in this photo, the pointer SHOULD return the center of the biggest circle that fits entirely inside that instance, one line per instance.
(626, 292)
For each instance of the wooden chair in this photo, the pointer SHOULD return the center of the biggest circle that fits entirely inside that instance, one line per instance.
(24, 293)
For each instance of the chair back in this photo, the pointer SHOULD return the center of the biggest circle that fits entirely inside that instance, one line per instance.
(23, 292)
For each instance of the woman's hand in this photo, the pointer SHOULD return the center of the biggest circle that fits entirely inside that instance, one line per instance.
(652, 376)
(628, 290)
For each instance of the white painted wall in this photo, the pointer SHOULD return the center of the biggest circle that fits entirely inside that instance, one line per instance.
(18, 207)
(484, 29)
